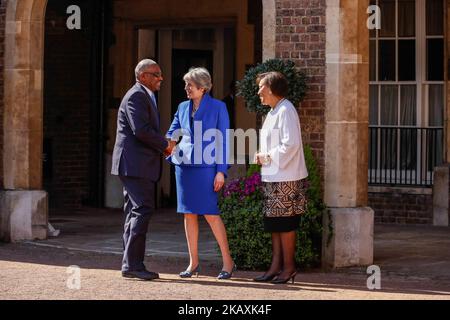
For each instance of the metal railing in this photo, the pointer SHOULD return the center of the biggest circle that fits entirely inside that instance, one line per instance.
(404, 156)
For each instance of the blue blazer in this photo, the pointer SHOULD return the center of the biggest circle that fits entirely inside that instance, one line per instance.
(139, 142)
(192, 150)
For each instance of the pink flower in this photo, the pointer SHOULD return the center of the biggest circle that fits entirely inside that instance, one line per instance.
(243, 187)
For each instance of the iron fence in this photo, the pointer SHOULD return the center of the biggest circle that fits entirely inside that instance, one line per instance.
(404, 156)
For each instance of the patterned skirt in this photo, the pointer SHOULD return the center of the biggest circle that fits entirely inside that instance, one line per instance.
(284, 203)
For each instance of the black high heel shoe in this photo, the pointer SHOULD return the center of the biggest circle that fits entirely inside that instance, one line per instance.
(266, 277)
(280, 281)
(224, 275)
(188, 274)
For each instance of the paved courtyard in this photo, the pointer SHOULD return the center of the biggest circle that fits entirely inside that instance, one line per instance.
(414, 262)
(102, 228)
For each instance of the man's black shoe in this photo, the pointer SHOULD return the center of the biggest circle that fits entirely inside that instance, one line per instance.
(143, 275)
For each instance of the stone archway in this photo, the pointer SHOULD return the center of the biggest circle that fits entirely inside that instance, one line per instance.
(24, 204)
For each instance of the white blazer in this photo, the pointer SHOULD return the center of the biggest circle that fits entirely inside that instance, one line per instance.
(281, 141)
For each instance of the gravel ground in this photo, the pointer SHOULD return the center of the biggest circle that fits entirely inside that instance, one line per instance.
(39, 273)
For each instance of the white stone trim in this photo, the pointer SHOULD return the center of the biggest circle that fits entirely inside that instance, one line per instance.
(401, 190)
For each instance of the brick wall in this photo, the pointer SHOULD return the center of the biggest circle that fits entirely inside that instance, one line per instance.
(300, 36)
(67, 106)
(394, 207)
(2, 51)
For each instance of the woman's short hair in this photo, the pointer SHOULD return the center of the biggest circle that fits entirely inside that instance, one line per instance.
(276, 82)
(200, 77)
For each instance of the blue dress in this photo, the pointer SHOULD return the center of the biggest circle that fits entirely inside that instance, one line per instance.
(195, 190)
(197, 160)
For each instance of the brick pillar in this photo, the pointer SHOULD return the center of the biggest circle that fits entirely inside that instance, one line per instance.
(301, 37)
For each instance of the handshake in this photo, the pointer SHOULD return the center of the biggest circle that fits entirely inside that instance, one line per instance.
(170, 148)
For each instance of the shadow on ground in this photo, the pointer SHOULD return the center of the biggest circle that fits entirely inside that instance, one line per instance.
(413, 259)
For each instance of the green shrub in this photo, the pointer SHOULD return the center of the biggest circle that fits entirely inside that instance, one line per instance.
(241, 207)
(309, 236)
(248, 88)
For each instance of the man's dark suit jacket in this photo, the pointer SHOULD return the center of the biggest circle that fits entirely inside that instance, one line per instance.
(139, 143)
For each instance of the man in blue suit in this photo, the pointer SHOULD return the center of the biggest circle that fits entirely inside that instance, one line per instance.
(137, 162)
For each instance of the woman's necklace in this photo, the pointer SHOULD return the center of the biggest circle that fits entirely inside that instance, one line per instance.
(194, 109)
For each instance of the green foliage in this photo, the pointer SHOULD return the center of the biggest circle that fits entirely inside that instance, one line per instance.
(252, 169)
(241, 206)
(248, 88)
(249, 244)
(309, 235)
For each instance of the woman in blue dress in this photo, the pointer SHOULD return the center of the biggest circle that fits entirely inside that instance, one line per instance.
(200, 161)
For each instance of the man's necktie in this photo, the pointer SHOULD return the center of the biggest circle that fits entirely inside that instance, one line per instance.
(156, 106)
(154, 101)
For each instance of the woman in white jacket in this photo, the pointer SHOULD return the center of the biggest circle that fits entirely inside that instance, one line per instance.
(283, 172)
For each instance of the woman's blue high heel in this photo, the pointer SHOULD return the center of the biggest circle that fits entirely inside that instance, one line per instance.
(188, 274)
(224, 275)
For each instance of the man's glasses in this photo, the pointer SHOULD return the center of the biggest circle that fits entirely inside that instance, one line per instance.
(155, 74)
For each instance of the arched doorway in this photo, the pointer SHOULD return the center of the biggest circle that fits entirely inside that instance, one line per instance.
(24, 205)
(74, 104)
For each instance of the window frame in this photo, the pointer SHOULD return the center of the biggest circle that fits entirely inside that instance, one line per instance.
(421, 83)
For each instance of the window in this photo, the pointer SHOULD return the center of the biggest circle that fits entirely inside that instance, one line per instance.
(406, 92)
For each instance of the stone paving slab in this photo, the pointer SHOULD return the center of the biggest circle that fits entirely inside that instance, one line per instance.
(422, 251)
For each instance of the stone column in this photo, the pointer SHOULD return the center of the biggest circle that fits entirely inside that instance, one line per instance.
(269, 29)
(346, 139)
(447, 77)
(23, 207)
(440, 196)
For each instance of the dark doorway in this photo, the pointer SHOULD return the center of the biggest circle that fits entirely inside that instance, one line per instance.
(73, 105)
(182, 61)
